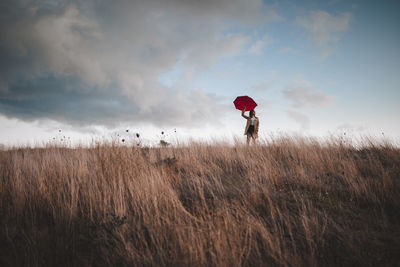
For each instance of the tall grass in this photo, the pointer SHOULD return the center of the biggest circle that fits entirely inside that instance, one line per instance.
(286, 202)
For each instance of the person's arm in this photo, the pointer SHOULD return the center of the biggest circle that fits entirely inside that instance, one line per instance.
(244, 116)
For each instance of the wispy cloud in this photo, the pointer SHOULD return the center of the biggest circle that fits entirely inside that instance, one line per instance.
(266, 85)
(302, 93)
(260, 45)
(325, 29)
(259, 87)
(301, 118)
(288, 50)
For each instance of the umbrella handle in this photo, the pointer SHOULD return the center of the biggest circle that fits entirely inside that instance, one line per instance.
(244, 116)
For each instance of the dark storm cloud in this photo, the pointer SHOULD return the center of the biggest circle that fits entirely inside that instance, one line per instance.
(70, 100)
(63, 99)
(99, 61)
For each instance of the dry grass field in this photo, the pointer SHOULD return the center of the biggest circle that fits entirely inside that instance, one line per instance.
(283, 202)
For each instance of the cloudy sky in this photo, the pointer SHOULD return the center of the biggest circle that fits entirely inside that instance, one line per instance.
(99, 67)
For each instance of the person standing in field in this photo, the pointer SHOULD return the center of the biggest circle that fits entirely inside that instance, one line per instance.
(251, 129)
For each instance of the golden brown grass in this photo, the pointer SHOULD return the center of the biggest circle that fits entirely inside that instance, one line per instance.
(286, 202)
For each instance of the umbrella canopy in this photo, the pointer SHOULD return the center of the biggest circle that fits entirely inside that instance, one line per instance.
(244, 101)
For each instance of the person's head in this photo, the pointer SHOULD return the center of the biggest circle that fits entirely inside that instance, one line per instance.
(252, 113)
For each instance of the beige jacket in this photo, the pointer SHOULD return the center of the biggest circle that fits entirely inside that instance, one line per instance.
(256, 124)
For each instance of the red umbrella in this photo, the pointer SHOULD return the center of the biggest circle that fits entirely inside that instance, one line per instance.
(244, 101)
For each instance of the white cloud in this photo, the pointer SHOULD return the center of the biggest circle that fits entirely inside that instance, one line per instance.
(288, 50)
(263, 86)
(259, 46)
(204, 54)
(301, 118)
(325, 28)
(302, 93)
